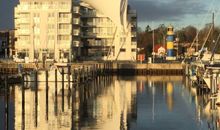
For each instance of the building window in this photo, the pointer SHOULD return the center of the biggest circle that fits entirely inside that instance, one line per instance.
(63, 15)
(133, 50)
(51, 15)
(122, 50)
(63, 37)
(64, 26)
(36, 15)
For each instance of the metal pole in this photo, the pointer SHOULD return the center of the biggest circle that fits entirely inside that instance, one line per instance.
(153, 46)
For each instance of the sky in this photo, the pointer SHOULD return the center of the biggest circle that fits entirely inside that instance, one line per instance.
(179, 13)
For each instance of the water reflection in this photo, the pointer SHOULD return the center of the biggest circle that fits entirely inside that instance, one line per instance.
(108, 103)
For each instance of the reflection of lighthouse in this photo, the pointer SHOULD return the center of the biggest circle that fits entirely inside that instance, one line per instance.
(170, 39)
(170, 96)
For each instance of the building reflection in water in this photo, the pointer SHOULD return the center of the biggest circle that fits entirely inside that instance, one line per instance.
(108, 103)
(105, 103)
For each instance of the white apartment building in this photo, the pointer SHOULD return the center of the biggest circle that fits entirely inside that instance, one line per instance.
(66, 30)
(43, 29)
(103, 37)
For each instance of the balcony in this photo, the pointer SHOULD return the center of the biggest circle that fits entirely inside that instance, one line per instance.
(133, 34)
(76, 32)
(76, 9)
(66, 8)
(23, 8)
(96, 35)
(76, 43)
(76, 21)
(23, 20)
(65, 31)
(23, 32)
(133, 43)
(65, 20)
(88, 13)
(64, 44)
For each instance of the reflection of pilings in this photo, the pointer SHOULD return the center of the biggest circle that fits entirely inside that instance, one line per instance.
(62, 89)
(75, 119)
(56, 107)
(47, 95)
(69, 73)
(69, 90)
(6, 104)
(213, 102)
(75, 107)
(36, 96)
(23, 103)
(73, 122)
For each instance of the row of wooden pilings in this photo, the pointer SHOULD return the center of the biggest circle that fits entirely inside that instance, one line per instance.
(90, 72)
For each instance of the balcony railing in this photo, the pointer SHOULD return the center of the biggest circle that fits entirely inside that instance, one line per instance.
(76, 9)
(76, 21)
(76, 32)
(88, 13)
(24, 20)
(76, 43)
(65, 31)
(23, 32)
(65, 20)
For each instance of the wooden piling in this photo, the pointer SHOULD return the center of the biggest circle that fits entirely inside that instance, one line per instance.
(23, 103)
(36, 98)
(47, 94)
(62, 89)
(56, 101)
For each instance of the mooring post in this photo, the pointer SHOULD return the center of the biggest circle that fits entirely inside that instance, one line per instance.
(73, 76)
(69, 73)
(56, 105)
(83, 74)
(23, 103)
(87, 73)
(36, 97)
(78, 76)
(47, 94)
(72, 108)
(62, 89)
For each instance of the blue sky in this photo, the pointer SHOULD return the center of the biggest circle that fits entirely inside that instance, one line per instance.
(179, 13)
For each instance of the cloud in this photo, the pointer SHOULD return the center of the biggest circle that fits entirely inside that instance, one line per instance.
(166, 10)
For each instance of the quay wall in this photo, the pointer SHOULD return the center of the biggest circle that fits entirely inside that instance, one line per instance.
(107, 67)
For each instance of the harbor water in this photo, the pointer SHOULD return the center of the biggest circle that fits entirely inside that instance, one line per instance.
(107, 103)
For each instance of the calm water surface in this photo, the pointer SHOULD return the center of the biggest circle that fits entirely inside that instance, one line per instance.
(108, 103)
